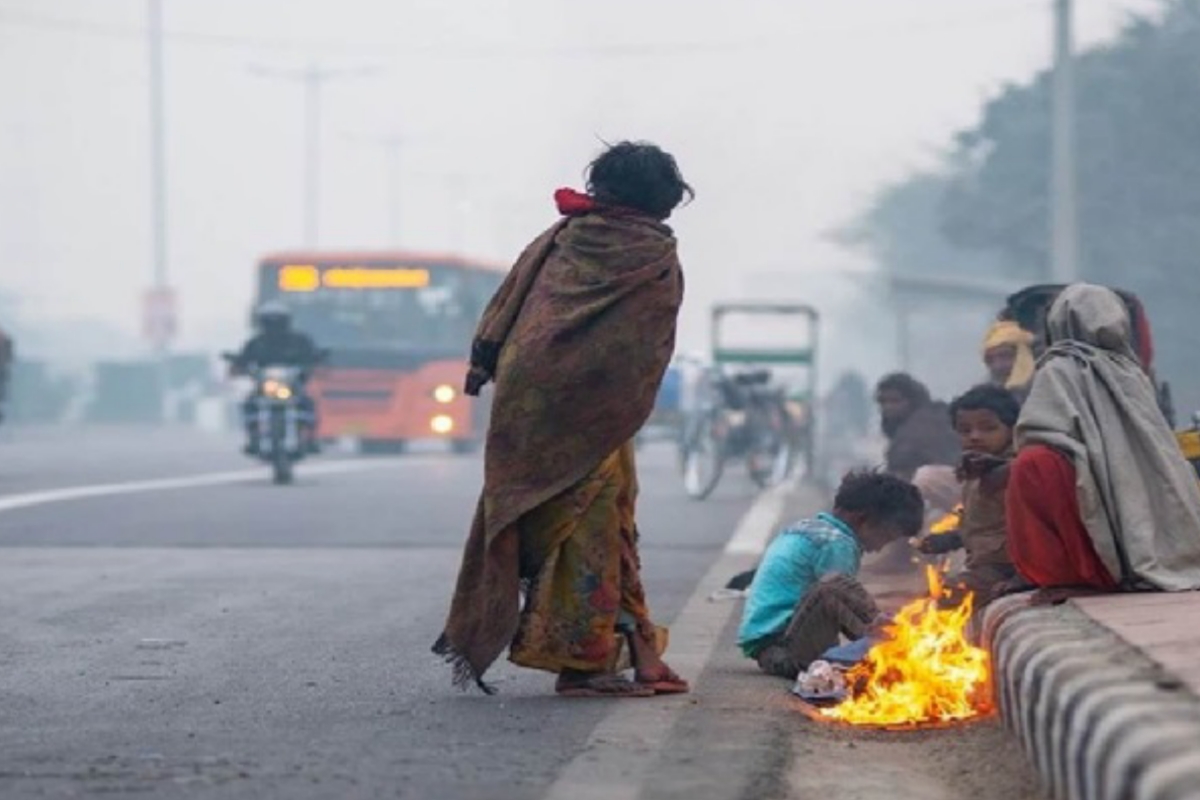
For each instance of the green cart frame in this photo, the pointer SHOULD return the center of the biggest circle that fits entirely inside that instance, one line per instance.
(787, 354)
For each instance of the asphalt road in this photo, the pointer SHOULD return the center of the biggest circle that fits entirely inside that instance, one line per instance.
(41, 458)
(180, 628)
(240, 639)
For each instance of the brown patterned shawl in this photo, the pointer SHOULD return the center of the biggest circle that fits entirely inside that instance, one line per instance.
(577, 339)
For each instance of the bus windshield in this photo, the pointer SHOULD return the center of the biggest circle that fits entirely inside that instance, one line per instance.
(382, 306)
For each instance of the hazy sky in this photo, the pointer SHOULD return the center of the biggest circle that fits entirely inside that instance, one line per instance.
(784, 114)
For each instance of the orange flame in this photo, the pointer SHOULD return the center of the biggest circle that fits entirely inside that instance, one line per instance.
(925, 672)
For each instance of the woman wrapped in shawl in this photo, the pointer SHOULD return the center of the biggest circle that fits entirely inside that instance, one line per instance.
(1099, 496)
(577, 340)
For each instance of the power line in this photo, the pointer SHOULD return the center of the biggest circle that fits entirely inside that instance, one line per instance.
(397, 49)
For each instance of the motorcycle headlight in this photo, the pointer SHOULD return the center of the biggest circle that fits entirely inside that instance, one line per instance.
(444, 393)
(736, 419)
(276, 389)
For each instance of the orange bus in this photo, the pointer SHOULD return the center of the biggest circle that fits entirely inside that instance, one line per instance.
(398, 327)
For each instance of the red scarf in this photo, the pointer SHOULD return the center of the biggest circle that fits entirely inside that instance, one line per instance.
(574, 204)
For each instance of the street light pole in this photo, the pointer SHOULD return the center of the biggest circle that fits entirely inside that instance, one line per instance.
(158, 169)
(1064, 223)
(393, 147)
(312, 155)
(313, 79)
(456, 184)
(158, 328)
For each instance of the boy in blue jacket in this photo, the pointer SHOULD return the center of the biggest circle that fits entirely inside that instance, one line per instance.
(806, 593)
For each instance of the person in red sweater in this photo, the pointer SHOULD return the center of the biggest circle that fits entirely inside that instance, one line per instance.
(1099, 496)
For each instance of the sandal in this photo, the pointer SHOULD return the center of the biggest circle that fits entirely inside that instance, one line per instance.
(665, 682)
(602, 686)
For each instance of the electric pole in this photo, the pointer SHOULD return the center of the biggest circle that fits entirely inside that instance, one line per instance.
(313, 79)
(1064, 222)
(393, 148)
(457, 184)
(159, 308)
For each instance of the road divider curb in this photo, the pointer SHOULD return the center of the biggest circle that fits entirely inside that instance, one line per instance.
(1097, 718)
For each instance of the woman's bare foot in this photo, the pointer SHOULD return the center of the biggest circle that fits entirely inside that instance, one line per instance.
(651, 671)
(663, 680)
(572, 683)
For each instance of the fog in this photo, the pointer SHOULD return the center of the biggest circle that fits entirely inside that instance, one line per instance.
(786, 116)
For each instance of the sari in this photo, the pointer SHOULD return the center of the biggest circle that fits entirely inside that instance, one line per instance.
(580, 565)
(577, 340)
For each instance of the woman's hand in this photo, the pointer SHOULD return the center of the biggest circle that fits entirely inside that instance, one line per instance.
(477, 378)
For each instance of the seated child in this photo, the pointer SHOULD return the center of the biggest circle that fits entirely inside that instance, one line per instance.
(984, 418)
(805, 592)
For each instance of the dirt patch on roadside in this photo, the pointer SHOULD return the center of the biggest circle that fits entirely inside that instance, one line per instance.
(976, 761)
(980, 761)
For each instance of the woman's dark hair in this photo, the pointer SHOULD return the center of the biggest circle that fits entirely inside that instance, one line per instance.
(908, 386)
(988, 397)
(883, 498)
(640, 176)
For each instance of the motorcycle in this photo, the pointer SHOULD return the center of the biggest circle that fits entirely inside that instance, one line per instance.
(283, 426)
(744, 417)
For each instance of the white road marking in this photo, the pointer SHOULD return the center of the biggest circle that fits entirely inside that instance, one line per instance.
(622, 748)
(49, 496)
(754, 531)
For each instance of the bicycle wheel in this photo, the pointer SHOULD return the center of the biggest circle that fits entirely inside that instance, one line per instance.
(703, 459)
(772, 454)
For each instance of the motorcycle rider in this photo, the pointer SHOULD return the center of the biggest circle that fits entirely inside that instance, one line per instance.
(277, 343)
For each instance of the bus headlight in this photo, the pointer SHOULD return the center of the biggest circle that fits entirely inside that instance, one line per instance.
(445, 393)
(441, 424)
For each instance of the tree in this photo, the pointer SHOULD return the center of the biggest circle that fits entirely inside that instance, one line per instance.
(1138, 154)
(902, 231)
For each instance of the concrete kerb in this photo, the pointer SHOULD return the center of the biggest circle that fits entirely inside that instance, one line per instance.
(1096, 717)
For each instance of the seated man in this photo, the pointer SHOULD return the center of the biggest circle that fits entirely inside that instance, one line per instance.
(805, 592)
(984, 418)
(917, 428)
(922, 448)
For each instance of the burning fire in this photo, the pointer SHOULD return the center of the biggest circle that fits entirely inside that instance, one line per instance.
(926, 672)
